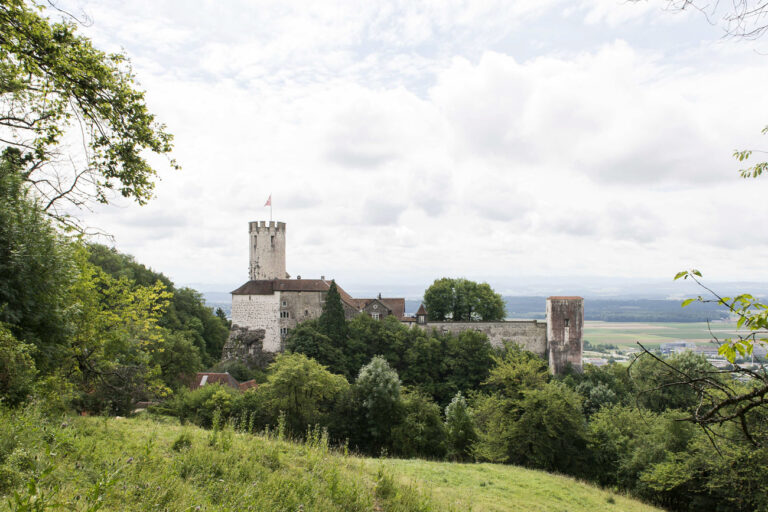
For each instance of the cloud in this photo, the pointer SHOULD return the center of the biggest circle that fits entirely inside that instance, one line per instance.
(460, 138)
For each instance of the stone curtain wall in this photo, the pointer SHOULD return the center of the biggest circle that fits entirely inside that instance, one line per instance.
(529, 334)
(259, 312)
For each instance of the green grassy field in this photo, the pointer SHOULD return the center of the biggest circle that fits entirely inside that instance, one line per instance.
(627, 333)
(89, 464)
(499, 488)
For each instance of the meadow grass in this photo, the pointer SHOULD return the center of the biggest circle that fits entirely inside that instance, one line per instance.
(153, 463)
(496, 487)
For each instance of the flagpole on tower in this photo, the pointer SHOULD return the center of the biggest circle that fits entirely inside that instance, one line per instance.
(269, 203)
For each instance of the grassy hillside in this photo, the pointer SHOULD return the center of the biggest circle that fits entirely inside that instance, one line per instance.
(495, 487)
(90, 464)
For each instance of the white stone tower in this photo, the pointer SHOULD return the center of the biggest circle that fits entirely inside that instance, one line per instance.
(267, 241)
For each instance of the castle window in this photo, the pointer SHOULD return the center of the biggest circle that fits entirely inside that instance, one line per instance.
(421, 319)
(285, 303)
(567, 322)
(284, 314)
(272, 241)
(375, 316)
(306, 312)
(283, 331)
(375, 306)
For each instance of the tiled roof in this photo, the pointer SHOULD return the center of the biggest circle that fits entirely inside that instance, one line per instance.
(268, 287)
(422, 310)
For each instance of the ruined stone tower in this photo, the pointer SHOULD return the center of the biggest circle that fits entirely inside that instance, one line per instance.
(565, 323)
(267, 250)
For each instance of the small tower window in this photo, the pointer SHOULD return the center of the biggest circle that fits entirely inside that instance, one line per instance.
(375, 316)
(285, 303)
(272, 241)
(567, 322)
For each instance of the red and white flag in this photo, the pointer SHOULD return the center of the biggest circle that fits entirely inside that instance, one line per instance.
(269, 201)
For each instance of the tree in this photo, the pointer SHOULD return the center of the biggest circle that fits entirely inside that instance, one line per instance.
(550, 431)
(378, 391)
(186, 312)
(459, 428)
(421, 432)
(54, 85)
(462, 300)
(332, 321)
(303, 389)
(307, 339)
(116, 347)
(36, 269)
(720, 395)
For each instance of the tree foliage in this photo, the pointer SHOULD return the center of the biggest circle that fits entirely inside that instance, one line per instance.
(57, 88)
(17, 369)
(459, 429)
(378, 391)
(302, 388)
(462, 300)
(36, 269)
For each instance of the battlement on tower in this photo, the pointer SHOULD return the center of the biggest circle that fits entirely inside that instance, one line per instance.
(263, 225)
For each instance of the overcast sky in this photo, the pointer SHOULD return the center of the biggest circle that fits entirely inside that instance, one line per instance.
(506, 141)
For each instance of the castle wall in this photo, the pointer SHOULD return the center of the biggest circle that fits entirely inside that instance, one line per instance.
(529, 334)
(267, 250)
(300, 306)
(259, 312)
(565, 324)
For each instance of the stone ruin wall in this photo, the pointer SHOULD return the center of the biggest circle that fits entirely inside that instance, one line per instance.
(565, 324)
(531, 335)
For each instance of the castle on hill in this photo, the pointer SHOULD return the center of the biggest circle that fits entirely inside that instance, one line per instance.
(270, 304)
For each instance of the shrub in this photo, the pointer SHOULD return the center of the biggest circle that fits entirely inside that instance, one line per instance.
(17, 369)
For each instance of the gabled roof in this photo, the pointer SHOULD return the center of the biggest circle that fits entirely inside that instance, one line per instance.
(422, 310)
(395, 305)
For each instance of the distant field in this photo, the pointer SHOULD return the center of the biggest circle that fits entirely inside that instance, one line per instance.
(627, 333)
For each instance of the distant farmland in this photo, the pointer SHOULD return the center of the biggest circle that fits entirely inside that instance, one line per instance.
(627, 333)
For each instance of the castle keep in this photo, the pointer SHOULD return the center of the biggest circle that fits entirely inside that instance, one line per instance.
(270, 304)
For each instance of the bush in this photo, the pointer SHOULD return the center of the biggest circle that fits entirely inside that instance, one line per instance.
(17, 369)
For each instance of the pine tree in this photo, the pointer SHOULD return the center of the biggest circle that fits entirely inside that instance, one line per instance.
(332, 322)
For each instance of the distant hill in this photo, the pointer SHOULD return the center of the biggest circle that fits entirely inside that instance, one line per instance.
(622, 310)
(607, 310)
